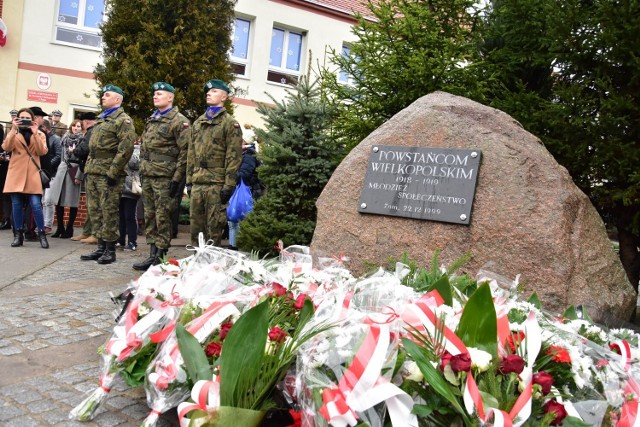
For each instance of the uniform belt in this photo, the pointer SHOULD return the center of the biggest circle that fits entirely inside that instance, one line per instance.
(103, 155)
(159, 157)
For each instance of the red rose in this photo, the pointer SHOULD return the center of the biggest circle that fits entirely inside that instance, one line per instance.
(224, 330)
(558, 354)
(557, 409)
(514, 340)
(511, 363)
(461, 362)
(213, 349)
(277, 334)
(300, 302)
(278, 290)
(544, 380)
(297, 418)
(446, 358)
(174, 262)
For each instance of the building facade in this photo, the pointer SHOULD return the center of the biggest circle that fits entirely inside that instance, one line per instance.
(52, 47)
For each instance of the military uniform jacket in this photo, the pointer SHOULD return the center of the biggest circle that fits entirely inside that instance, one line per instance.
(111, 145)
(165, 142)
(215, 150)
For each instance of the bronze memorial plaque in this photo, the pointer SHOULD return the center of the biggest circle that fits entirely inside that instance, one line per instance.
(436, 184)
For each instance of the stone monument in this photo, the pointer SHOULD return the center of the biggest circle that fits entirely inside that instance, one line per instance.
(527, 216)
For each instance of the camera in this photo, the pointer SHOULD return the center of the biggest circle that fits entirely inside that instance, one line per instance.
(25, 123)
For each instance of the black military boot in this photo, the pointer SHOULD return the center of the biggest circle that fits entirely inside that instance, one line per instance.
(160, 254)
(109, 254)
(43, 239)
(144, 265)
(93, 256)
(18, 238)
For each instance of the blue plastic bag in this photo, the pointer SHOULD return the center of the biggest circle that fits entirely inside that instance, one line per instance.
(240, 204)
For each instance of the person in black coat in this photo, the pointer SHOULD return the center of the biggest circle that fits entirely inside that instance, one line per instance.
(249, 175)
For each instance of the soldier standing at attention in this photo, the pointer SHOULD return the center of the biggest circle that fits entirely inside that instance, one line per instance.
(215, 154)
(110, 149)
(163, 155)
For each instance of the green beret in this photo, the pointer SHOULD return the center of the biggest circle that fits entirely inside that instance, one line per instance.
(112, 88)
(162, 86)
(216, 84)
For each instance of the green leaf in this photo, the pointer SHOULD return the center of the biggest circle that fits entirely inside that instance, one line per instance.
(433, 377)
(243, 354)
(421, 410)
(574, 422)
(570, 313)
(443, 287)
(535, 301)
(195, 359)
(478, 325)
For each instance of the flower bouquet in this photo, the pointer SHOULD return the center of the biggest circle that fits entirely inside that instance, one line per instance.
(148, 319)
(255, 355)
(344, 374)
(166, 382)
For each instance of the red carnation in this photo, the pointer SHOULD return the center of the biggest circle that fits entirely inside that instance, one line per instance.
(511, 363)
(224, 330)
(174, 262)
(544, 380)
(558, 354)
(514, 340)
(557, 409)
(299, 302)
(278, 289)
(277, 334)
(213, 349)
(461, 362)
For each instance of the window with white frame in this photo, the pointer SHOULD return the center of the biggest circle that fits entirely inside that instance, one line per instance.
(240, 47)
(79, 22)
(343, 76)
(285, 56)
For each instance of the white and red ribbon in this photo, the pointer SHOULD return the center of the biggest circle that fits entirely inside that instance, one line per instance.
(362, 386)
(206, 398)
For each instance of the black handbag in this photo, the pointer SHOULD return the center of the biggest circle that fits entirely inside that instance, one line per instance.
(44, 176)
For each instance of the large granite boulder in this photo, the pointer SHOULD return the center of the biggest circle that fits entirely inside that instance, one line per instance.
(528, 216)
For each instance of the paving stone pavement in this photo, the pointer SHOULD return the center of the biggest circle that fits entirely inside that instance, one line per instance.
(55, 312)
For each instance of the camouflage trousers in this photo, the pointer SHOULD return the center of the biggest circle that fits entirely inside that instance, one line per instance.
(103, 204)
(158, 211)
(207, 214)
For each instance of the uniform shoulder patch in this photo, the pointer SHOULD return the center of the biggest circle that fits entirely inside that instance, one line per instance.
(236, 125)
(185, 125)
(127, 121)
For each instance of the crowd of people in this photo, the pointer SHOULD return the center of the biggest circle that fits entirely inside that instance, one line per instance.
(45, 163)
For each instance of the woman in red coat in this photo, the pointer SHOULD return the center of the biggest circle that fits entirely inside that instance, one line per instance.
(23, 176)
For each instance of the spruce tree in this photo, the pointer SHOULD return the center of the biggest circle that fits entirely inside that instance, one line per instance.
(568, 71)
(182, 42)
(298, 157)
(407, 50)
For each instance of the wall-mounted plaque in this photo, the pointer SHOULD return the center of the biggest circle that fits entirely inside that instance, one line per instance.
(436, 184)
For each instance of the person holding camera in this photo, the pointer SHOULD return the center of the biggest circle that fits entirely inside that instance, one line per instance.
(26, 143)
(65, 186)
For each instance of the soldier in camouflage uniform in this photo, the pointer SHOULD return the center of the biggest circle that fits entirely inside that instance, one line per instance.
(110, 149)
(163, 164)
(215, 154)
